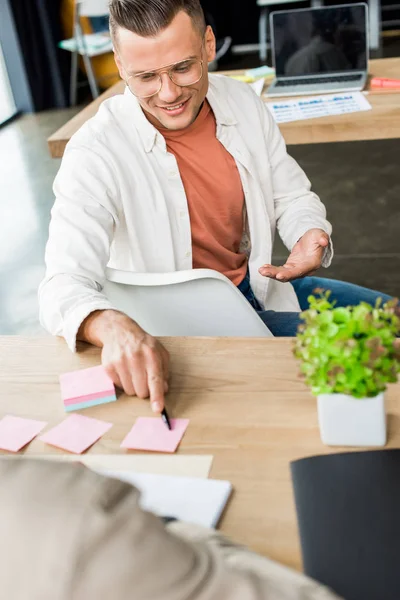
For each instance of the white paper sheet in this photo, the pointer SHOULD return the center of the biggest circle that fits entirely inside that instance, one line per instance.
(198, 501)
(258, 86)
(285, 111)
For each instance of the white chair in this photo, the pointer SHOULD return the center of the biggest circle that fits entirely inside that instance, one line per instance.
(88, 45)
(265, 6)
(198, 302)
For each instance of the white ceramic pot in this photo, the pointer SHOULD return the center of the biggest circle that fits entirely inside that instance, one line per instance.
(348, 421)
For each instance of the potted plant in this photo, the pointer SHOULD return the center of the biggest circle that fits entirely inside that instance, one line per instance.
(348, 356)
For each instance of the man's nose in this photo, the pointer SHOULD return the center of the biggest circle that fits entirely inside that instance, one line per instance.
(169, 91)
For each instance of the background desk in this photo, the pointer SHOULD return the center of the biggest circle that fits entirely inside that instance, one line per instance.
(246, 404)
(383, 122)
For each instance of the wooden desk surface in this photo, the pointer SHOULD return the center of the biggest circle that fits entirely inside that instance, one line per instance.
(383, 122)
(246, 404)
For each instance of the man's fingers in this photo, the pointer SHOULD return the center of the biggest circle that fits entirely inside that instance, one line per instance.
(165, 367)
(111, 372)
(155, 380)
(121, 378)
(137, 363)
(137, 370)
(281, 273)
(165, 363)
(323, 240)
(127, 381)
(269, 271)
(289, 274)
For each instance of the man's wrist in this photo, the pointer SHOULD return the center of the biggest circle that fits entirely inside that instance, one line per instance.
(314, 229)
(101, 325)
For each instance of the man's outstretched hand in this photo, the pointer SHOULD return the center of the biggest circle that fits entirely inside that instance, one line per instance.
(305, 258)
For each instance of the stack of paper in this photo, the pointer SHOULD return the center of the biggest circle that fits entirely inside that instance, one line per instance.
(258, 86)
(254, 75)
(285, 111)
(260, 72)
(88, 387)
(189, 499)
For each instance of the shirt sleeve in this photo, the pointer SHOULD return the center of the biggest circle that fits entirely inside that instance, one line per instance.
(81, 231)
(297, 208)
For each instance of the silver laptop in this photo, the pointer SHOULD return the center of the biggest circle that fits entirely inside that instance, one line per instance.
(319, 50)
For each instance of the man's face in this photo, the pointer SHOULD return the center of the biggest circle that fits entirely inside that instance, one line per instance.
(173, 107)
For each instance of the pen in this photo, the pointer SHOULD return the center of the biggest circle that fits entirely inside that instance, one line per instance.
(165, 418)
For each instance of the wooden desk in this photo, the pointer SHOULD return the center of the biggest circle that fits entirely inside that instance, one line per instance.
(246, 404)
(383, 122)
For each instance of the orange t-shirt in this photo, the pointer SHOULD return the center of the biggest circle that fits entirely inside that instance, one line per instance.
(214, 193)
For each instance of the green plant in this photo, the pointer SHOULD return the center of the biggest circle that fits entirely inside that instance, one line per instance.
(350, 350)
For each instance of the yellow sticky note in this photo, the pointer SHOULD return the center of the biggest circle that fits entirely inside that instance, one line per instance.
(244, 78)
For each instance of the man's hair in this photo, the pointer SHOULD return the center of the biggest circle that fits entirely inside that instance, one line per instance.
(148, 17)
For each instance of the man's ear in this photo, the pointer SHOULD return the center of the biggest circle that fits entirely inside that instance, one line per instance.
(210, 44)
(121, 69)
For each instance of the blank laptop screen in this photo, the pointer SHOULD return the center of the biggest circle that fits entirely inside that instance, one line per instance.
(315, 41)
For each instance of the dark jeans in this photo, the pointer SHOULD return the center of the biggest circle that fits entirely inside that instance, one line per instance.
(284, 324)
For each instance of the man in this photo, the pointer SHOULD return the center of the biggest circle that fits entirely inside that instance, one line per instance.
(183, 171)
(70, 533)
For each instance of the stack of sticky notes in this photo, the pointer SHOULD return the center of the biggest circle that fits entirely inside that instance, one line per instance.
(87, 387)
(260, 72)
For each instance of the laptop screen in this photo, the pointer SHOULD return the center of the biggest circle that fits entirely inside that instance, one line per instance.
(320, 40)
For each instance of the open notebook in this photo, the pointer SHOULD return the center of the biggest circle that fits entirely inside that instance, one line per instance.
(194, 500)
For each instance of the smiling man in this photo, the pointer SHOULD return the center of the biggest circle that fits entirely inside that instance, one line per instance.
(184, 170)
(172, 95)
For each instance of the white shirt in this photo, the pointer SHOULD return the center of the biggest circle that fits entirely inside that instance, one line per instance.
(120, 202)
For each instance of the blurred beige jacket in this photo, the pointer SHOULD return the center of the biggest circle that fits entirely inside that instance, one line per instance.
(67, 533)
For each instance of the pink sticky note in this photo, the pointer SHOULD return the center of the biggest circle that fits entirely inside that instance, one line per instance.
(76, 433)
(150, 433)
(93, 382)
(16, 432)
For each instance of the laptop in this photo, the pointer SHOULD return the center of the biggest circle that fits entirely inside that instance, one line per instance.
(319, 50)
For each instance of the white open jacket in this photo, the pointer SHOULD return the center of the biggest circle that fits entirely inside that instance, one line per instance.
(120, 202)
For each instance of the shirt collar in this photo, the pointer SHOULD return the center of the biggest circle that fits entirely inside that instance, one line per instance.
(219, 103)
(150, 135)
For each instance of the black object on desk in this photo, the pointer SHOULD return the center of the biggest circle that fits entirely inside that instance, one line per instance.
(348, 509)
(165, 418)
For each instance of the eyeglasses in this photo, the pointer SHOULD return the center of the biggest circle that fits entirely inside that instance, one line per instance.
(149, 83)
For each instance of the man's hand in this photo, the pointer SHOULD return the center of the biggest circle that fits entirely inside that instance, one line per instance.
(304, 259)
(135, 361)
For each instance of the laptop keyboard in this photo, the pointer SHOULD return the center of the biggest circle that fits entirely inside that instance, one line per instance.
(317, 80)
